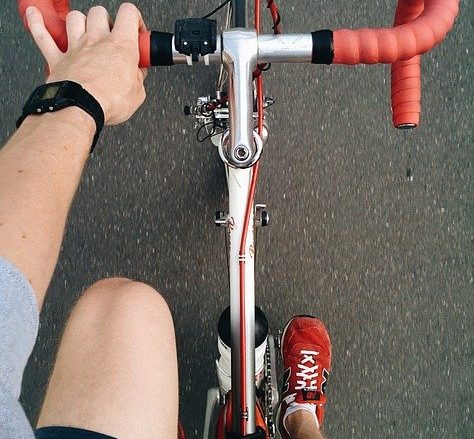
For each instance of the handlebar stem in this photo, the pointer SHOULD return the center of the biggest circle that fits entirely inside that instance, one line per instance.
(239, 56)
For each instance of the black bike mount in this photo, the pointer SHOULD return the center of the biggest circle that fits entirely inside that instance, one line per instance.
(259, 434)
(196, 36)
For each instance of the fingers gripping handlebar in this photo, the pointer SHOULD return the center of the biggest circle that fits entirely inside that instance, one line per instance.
(54, 14)
(419, 26)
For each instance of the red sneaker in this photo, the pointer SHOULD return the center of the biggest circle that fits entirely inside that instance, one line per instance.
(306, 352)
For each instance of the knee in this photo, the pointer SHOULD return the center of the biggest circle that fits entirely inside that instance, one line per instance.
(123, 304)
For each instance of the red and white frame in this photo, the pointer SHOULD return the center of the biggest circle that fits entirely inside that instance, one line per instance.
(419, 26)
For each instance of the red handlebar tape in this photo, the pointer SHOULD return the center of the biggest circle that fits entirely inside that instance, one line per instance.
(371, 46)
(54, 14)
(144, 46)
(419, 26)
(406, 75)
(417, 29)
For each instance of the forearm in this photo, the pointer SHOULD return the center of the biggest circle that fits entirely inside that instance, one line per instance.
(41, 166)
(40, 169)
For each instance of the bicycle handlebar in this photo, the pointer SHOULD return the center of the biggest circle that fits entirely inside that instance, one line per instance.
(406, 75)
(419, 26)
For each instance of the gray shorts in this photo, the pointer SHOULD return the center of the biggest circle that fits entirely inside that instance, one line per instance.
(19, 321)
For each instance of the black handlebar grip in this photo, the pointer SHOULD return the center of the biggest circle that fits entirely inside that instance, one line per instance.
(161, 49)
(323, 47)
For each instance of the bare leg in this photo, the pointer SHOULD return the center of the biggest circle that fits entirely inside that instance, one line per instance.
(116, 370)
(302, 425)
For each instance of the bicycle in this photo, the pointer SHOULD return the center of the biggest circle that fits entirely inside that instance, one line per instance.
(234, 120)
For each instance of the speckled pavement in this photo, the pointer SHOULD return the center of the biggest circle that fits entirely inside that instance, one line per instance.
(372, 228)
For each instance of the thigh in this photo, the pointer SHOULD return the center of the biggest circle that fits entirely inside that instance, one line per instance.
(116, 369)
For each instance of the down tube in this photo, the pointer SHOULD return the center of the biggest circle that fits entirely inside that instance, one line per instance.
(239, 186)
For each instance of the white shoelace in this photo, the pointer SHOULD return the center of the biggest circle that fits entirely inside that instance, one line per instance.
(307, 373)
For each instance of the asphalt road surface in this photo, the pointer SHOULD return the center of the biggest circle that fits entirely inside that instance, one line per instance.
(372, 228)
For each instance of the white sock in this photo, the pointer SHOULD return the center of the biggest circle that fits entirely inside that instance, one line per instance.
(294, 407)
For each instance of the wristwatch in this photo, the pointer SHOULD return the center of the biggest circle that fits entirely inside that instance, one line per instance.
(55, 96)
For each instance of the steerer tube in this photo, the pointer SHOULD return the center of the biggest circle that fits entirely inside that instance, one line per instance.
(240, 13)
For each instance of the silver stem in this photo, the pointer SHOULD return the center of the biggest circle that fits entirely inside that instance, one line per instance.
(239, 56)
(222, 73)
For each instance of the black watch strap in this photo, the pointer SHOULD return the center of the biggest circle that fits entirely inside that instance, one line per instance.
(55, 96)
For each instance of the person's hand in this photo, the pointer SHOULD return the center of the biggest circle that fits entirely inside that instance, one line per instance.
(102, 58)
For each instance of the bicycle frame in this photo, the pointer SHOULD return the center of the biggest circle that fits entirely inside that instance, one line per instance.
(242, 309)
(241, 50)
(240, 56)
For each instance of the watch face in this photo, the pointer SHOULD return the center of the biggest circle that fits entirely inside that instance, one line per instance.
(49, 91)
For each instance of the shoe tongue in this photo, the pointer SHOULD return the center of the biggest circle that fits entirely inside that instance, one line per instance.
(300, 351)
